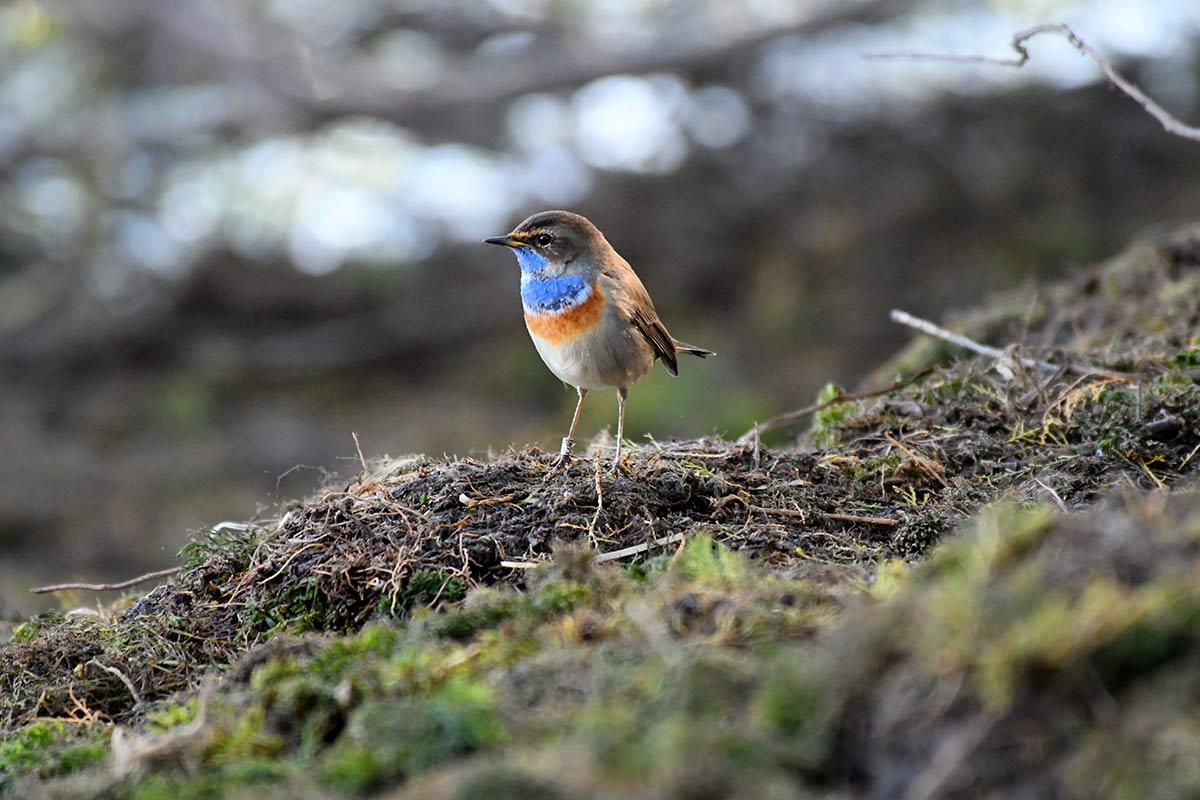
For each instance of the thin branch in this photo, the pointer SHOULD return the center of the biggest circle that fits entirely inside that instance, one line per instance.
(471, 502)
(591, 528)
(1170, 123)
(792, 417)
(1057, 498)
(804, 516)
(856, 518)
(927, 327)
(938, 332)
(121, 676)
(107, 587)
(613, 555)
(361, 458)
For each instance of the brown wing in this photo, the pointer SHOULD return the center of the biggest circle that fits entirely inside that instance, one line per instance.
(634, 302)
(646, 320)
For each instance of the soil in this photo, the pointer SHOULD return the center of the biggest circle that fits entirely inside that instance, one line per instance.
(871, 488)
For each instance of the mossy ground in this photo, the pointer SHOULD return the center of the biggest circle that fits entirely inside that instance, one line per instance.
(787, 623)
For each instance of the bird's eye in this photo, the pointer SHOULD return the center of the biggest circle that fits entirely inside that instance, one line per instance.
(544, 239)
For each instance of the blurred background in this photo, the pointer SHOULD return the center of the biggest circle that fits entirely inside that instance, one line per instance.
(234, 231)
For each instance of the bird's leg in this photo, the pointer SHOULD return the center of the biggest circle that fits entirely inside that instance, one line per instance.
(568, 442)
(622, 393)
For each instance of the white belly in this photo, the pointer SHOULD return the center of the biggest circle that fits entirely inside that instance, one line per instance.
(604, 357)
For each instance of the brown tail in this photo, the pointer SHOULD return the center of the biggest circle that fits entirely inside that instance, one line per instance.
(684, 347)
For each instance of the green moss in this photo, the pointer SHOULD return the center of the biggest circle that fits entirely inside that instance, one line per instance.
(1003, 533)
(427, 586)
(342, 655)
(556, 597)
(297, 607)
(790, 703)
(704, 678)
(708, 563)
(390, 739)
(825, 423)
(376, 708)
(27, 631)
(506, 783)
(25, 750)
(890, 578)
(248, 744)
(50, 748)
(171, 715)
(485, 609)
(229, 546)
(1107, 624)
(1186, 359)
(202, 786)
(81, 756)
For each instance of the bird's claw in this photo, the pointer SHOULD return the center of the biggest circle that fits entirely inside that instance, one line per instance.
(564, 457)
(615, 469)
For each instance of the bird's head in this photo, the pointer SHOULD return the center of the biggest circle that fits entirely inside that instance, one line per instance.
(555, 243)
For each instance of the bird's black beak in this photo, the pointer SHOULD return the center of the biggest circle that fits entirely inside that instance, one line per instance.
(505, 240)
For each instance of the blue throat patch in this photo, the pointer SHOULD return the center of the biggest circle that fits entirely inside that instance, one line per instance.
(530, 260)
(550, 295)
(543, 294)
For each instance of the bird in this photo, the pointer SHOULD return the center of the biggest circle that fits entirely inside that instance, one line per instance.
(590, 318)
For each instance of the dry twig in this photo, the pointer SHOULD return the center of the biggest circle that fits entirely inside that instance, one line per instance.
(938, 332)
(521, 564)
(122, 677)
(852, 518)
(471, 502)
(107, 587)
(925, 464)
(613, 555)
(1058, 501)
(792, 417)
(804, 515)
(1170, 123)
(361, 458)
(591, 528)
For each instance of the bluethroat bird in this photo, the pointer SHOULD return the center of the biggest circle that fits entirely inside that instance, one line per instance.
(589, 315)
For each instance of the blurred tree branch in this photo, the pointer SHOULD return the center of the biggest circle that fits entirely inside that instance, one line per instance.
(253, 75)
(485, 87)
(276, 81)
(1170, 123)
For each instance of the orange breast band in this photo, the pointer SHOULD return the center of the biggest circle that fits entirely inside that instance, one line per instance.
(562, 326)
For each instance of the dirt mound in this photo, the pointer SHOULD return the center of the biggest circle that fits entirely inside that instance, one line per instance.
(877, 479)
(1038, 654)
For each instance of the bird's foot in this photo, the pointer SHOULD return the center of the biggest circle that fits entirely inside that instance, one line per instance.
(616, 467)
(564, 457)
